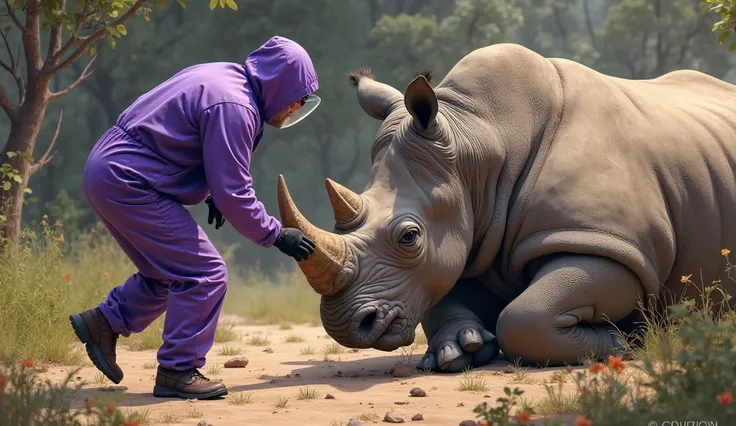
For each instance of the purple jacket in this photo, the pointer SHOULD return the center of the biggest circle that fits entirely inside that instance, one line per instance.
(205, 122)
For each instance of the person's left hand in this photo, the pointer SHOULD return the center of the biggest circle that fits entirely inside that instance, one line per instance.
(214, 213)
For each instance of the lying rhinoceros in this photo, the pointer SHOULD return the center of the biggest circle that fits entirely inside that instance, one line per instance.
(528, 198)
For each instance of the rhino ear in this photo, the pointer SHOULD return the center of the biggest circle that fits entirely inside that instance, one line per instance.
(421, 102)
(377, 99)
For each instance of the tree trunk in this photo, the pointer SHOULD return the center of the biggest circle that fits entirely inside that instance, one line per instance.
(22, 138)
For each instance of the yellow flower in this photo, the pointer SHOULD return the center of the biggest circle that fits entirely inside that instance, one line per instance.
(685, 278)
(725, 252)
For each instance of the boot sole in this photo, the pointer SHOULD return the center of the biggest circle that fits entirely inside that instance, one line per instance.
(163, 392)
(93, 351)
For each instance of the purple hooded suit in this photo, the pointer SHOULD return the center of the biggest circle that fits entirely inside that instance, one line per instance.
(191, 136)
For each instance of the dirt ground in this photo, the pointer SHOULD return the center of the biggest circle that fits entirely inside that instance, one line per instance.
(360, 381)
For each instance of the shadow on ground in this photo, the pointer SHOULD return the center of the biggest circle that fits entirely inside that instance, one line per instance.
(355, 375)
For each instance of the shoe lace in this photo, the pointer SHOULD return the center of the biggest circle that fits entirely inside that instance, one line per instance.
(195, 375)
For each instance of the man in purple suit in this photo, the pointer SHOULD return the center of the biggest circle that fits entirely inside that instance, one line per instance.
(188, 140)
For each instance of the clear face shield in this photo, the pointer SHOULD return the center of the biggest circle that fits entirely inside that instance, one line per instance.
(308, 106)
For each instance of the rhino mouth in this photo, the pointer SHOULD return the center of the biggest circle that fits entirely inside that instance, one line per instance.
(383, 327)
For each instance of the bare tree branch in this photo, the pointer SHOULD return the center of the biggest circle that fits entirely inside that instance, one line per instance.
(48, 156)
(13, 69)
(81, 43)
(14, 17)
(56, 33)
(32, 40)
(85, 73)
(7, 105)
(54, 55)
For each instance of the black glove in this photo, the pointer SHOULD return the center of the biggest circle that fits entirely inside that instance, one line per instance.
(294, 243)
(214, 213)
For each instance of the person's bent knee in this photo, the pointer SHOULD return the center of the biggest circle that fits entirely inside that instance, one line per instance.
(217, 273)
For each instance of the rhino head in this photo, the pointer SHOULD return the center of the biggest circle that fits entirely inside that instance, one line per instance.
(399, 246)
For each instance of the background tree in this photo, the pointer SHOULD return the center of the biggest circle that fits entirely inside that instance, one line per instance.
(397, 38)
(69, 30)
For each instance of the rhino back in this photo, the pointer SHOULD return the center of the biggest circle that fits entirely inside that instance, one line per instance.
(641, 171)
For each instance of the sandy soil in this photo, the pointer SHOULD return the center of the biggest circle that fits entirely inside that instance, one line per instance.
(360, 381)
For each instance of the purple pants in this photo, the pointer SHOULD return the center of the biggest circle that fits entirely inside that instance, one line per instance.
(179, 270)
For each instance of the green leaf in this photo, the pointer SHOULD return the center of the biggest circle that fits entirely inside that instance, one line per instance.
(121, 29)
(721, 38)
(182, 3)
(12, 154)
(28, 191)
(231, 4)
(18, 179)
(732, 47)
(6, 185)
(213, 4)
(162, 4)
(7, 29)
(92, 50)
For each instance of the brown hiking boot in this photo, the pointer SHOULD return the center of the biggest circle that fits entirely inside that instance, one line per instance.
(189, 384)
(95, 332)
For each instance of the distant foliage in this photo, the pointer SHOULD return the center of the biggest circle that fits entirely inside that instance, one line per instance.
(726, 9)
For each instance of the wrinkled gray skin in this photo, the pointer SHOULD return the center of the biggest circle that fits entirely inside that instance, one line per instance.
(529, 198)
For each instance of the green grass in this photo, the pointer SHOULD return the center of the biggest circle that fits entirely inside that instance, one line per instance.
(48, 275)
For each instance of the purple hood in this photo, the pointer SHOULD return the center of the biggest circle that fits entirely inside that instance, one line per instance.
(280, 72)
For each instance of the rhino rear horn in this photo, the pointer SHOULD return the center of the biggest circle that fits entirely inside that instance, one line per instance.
(421, 102)
(377, 99)
(347, 206)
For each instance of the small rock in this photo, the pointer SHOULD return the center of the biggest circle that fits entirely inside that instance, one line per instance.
(237, 362)
(508, 369)
(401, 402)
(393, 417)
(204, 423)
(460, 404)
(297, 375)
(417, 392)
(268, 350)
(468, 423)
(329, 396)
(353, 422)
(417, 417)
(403, 371)
(486, 396)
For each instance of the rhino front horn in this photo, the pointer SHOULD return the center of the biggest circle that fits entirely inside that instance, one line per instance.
(325, 269)
(347, 206)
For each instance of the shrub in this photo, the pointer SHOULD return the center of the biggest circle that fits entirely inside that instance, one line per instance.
(27, 400)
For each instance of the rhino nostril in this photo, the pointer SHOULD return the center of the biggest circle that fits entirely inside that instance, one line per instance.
(367, 324)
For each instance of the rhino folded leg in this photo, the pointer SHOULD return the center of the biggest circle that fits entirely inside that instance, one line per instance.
(458, 329)
(566, 314)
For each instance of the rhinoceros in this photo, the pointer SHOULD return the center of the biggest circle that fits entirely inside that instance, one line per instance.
(525, 205)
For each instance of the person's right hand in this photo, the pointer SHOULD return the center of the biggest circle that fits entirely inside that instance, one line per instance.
(294, 243)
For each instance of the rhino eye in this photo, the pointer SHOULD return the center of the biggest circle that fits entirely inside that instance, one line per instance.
(409, 238)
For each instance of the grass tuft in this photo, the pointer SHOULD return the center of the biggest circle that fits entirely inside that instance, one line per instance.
(240, 398)
(258, 341)
(226, 350)
(294, 338)
(306, 394)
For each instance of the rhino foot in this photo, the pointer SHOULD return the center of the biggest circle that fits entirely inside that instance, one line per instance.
(459, 345)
